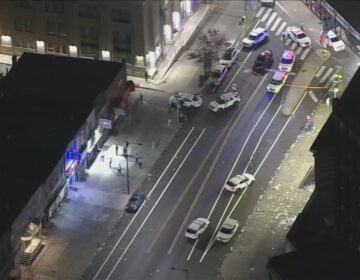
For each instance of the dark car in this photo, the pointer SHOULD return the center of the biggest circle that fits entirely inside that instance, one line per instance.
(135, 201)
(263, 62)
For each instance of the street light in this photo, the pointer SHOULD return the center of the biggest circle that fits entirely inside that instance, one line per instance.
(126, 155)
(183, 270)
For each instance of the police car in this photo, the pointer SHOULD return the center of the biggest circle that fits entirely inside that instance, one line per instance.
(334, 42)
(298, 36)
(287, 60)
(256, 38)
(224, 101)
(277, 81)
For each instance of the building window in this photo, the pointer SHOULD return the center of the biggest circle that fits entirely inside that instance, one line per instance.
(56, 28)
(122, 41)
(119, 55)
(54, 6)
(87, 10)
(22, 24)
(120, 15)
(89, 50)
(22, 4)
(24, 43)
(56, 48)
(88, 33)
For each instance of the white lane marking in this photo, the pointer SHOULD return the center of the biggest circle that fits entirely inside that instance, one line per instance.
(273, 15)
(332, 78)
(153, 188)
(327, 74)
(266, 15)
(305, 53)
(320, 72)
(282, 8)
(260, 12)
(155, 204)
(277, 138)
(293, 45)
(237, 72)
(261, 137)
(283, 24)
(192, 250)
(298, 50)
(276, 23)
(313, 97)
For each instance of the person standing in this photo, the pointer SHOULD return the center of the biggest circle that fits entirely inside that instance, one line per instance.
(110, 162)
(140, 161)
(119, 170)
(146, 75)
(141, 98)
(116, 149)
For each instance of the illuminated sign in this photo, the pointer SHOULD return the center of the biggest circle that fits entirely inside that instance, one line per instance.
(105, 123)
(75, 156)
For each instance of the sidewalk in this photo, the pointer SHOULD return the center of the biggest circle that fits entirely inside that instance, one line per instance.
(265, 231)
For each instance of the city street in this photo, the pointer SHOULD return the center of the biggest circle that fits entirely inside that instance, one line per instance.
(188, 176)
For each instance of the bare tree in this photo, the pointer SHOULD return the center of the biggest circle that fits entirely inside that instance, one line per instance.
(210, 44)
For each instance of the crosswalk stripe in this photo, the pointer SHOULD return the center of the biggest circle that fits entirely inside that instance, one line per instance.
(298, 50)
(313, 97)
(332, 78)
(280, 28)
(305, 53)
(293, 46)
(321, 70)
(273, 15)
(260, 12)
(266, 15)
(276, 23)
(328, 72)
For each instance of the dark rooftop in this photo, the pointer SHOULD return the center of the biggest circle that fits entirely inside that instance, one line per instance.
(346, 10)
(44, 100)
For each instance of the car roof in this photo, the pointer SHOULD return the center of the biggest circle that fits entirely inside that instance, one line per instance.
(257, 30)
(288, 54)
(218, 67)
(279, 76)
(229, 50)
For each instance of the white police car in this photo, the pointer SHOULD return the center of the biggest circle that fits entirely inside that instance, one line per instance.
(287, 60)
(298, 36)
(277, 81)
(224, 101)
(256, 37)
(333, 41)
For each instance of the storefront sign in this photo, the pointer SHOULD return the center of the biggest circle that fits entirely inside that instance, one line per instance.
(105, 123)
(119, 111)
(75, 156)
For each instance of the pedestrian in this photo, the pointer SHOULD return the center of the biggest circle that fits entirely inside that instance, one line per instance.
(141, 98)
(136, 160)
(116, 149)
(302, 26)
(140, 161)
(146, 75)
(169, 122)
(233, 87)
(119, 170)
(110, 162)
(125, 150)
(324, 52)
(283, 35)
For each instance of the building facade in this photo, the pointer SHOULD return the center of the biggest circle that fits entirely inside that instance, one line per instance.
(135, 31)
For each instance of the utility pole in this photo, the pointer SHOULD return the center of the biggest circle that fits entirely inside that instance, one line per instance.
(126, 156)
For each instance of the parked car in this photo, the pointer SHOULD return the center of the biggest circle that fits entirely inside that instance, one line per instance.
(196, 228)
(263, 62)
(333, 41)
(267, 3)
(229, 57)
(224, 101)
(287, 60)
(256, 38)
(298, 36)
(239, 182)
(135, 201)
(218, 74)
(227, 230)
(185, 100)
(277, 81)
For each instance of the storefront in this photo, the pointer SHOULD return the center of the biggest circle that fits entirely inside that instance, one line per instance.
(96, 141)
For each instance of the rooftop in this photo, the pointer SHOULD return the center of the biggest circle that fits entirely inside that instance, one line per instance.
(44, 100)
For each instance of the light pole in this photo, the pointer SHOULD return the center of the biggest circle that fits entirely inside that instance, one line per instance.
(126, 155)
(183, 270)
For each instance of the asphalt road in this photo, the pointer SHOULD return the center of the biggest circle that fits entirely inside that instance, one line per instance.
(251, 137)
